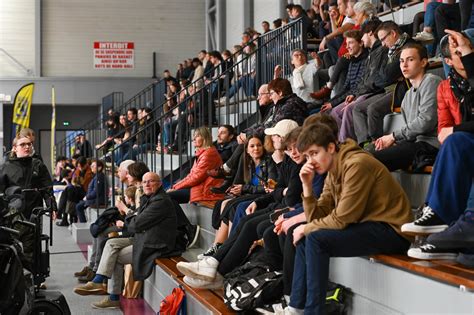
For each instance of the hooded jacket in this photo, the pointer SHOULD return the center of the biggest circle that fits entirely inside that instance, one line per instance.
(358, 189)
(198, 180)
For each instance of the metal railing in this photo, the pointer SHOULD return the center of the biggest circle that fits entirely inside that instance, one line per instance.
(219, 101)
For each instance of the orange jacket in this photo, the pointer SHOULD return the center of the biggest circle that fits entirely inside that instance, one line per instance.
(198, 180)
(449, 113)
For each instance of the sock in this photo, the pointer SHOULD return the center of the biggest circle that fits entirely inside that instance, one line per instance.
(114, 297)
(469, 216)
(99, 278)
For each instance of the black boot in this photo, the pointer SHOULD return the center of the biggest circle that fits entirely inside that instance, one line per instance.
(222, 188)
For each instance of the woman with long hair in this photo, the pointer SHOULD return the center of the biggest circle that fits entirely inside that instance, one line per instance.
(255, 170)
(196, 186)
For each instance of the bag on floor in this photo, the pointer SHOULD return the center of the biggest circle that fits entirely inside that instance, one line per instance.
(131, 288)
(174, 304)
(335, 299)
(253, 284)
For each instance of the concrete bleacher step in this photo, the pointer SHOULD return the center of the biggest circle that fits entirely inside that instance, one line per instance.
(81, 233)
(415, 185)
(203, 217)
(380, 289)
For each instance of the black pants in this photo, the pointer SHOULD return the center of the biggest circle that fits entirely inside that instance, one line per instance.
(281, 252)
(447, 16)
(401, 156)
(465, 7)
(234, 250)
(233, 161)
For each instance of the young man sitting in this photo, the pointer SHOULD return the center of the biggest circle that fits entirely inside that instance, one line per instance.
(355, 71)
(451, 180)
(419, 110)
(359, 213)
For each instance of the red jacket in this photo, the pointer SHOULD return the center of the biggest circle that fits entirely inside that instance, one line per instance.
(449, 113)
(198, 180)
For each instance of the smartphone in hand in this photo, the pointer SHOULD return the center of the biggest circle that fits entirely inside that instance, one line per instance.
(275, 215)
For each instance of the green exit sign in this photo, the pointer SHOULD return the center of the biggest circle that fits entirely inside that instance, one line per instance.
(66, 123)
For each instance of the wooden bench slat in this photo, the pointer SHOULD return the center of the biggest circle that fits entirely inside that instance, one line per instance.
(208, 298)
(452, 274)
(212, 299)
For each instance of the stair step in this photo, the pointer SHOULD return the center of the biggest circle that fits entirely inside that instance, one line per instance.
(81, 233)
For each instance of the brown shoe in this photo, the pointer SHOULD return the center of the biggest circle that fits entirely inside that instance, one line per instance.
(321, 94)
(88, 277)
(83, 272)
(90, 288)
(106, 303)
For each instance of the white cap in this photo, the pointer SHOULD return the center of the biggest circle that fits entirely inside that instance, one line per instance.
(282, 128)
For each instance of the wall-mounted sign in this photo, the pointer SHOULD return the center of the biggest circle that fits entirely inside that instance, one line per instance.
(114, 55)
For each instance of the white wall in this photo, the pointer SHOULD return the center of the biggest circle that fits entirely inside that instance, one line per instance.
(235, 22)
(265, 10)
(17, 26)
(174, 29)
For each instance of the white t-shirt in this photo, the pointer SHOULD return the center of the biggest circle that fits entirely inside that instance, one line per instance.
(348, 20)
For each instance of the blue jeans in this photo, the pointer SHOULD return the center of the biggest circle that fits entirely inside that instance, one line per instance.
(311, 269)
(247, 82)
(239, 214)
(452, 175)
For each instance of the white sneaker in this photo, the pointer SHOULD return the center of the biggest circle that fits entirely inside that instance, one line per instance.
(205, 269)
(424, 37)
(217, 283)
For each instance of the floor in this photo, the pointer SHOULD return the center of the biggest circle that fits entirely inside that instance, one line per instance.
(66, 257)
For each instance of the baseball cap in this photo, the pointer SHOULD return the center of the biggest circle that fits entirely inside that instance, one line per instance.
(282, 128)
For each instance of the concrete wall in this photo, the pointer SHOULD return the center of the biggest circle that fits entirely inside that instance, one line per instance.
(17, 36)
(175, 30)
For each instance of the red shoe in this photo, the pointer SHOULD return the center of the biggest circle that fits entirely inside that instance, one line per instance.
(321, 94)
(218, 173)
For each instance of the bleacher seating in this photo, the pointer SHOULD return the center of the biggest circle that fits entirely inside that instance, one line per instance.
(380, 284)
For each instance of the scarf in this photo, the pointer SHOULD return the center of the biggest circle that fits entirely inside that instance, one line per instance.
(463, 92)
(393, 51)
(298, 82)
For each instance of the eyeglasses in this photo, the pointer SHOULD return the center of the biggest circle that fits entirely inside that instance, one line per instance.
(262, 94)
(25, 144)
(384, 38)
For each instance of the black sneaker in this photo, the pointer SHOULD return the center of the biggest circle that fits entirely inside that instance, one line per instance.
(460, 234)
(210, 252)
(429, 251)
(193, 235)
(428, 223)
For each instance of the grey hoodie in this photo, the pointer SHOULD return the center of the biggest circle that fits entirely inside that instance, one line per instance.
(420, 113)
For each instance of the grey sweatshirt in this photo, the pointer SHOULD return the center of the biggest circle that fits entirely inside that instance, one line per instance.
(419, 110)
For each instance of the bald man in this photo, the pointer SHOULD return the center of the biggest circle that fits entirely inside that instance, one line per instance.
(155, 230)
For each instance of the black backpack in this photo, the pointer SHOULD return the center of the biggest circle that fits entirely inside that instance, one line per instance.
(108, 217)
(253, 284)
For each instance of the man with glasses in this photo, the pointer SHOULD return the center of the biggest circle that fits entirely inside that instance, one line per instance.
(155, 234)
(28, 172)
(368, 115)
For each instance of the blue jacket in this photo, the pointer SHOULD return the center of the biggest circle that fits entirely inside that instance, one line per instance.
(97, 190)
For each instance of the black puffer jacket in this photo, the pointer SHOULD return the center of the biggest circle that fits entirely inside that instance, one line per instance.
(289, 107)
(27, 173)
